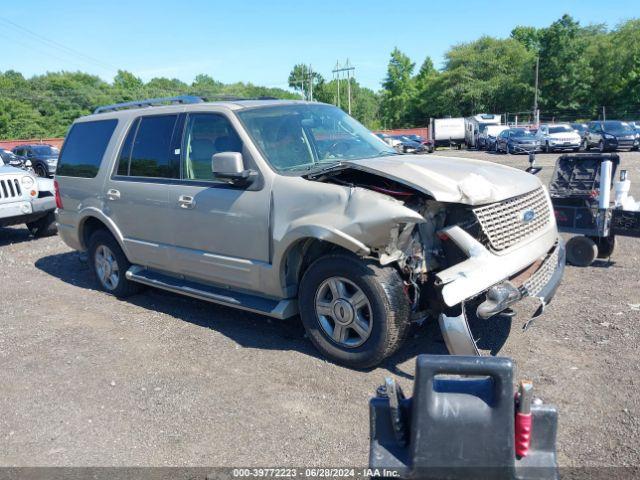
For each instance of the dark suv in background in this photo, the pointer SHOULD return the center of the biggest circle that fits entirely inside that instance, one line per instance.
(44, 158)
(610, 135)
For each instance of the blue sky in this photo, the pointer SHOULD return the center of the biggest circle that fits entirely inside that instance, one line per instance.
(259, 41)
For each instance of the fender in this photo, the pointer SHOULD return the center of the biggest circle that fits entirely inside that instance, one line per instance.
(92, 212)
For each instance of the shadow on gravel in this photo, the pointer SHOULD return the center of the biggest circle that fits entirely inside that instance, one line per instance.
(10, 236)
(247, 329)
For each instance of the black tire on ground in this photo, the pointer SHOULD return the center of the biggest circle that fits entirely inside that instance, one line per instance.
(43, 227)
(40, 171)
(124, 288)
(581, 251)
(390, 309)
(606, 245)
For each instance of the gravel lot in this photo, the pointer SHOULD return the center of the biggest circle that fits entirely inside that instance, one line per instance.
(164, 380)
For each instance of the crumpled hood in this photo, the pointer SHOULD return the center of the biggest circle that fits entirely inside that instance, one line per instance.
(452, 179)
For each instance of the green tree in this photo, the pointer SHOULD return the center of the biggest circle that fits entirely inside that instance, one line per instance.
(398, 91)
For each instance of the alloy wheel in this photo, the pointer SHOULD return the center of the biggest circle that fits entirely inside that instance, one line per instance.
(107, 267)
(343, 312)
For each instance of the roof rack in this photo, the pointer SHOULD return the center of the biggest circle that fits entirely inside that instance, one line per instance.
(150, 102)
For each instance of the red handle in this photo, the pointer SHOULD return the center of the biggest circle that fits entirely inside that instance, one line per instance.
(523, 434)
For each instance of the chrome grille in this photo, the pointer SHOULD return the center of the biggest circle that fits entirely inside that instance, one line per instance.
(541, 277)
(504, 224)
(9, 188)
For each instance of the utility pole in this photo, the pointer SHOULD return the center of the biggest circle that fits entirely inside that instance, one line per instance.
(536, 112)
(346, 68)
(310, 84)
(604, 113)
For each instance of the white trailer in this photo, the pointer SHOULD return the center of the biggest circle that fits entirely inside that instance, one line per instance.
(475, 124)
(447, 131)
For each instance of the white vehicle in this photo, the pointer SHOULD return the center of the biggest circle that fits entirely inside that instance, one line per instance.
(488, 135)
(476, 124)
(447, 131)
(558, 136)
(26, 198)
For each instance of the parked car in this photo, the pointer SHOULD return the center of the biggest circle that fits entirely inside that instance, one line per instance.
(389, 140)
(9, 158)
(408, 145)
(636, 125)
(287, 207)
(580, 128)
(428, 144)
(517, 140)
(44, 158)
(488, 134)
(25, 198)
(610, 135)
(558, 136)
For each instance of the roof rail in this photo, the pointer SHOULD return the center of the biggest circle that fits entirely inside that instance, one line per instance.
(150, 102)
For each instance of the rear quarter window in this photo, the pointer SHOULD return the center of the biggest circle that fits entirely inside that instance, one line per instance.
(84, 148)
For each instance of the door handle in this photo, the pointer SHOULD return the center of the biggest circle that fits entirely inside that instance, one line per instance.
(113, 194)
(186, 201)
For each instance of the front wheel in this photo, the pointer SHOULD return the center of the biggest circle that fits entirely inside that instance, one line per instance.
(43, 227)
(355, 312)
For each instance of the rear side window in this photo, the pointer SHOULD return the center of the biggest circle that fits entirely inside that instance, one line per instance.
(150, 152)
(84, 148)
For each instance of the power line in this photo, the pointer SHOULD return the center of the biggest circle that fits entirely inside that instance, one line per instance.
(57, 45)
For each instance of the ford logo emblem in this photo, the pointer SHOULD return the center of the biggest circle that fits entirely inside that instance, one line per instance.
(528, 215)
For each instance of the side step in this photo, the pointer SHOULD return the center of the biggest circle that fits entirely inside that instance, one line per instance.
(274, 308)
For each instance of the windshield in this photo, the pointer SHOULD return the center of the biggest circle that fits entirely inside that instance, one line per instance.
(304, 137)
(560, 129)
(45, 150)
(521, 132)
(617, 127)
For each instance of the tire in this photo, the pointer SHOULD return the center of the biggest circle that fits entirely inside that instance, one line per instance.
(121, 287)
(581, 251)
(606, 245)
(386, 315)
(40, 171)
(43, 227)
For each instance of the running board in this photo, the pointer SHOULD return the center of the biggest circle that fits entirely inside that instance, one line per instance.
(274, 308)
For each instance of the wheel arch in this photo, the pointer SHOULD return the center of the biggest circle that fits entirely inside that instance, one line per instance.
(92, 221)
(301, 253)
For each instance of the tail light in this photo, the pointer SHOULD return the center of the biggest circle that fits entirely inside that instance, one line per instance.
(57, 193)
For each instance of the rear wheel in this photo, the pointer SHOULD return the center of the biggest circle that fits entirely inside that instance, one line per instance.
(109, 264)
(43, 227)
(40, 171)
(355, 312)
(581, 251)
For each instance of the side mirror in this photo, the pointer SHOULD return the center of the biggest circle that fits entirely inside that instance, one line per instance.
(229, 166)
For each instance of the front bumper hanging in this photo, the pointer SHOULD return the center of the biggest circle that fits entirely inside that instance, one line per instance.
(541, 284)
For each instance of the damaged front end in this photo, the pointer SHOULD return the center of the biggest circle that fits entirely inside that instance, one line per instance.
(489, 256)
